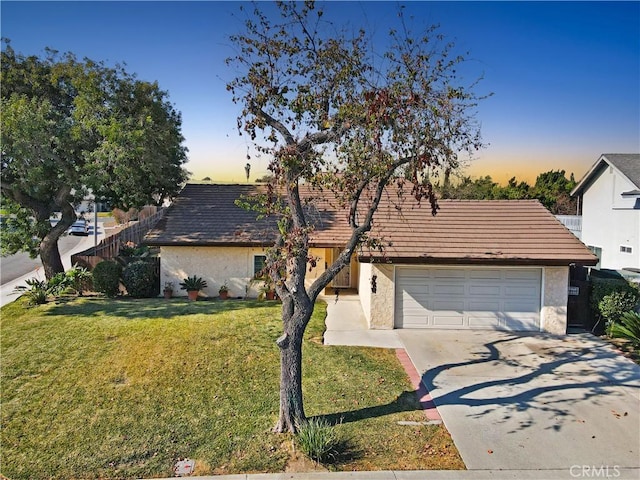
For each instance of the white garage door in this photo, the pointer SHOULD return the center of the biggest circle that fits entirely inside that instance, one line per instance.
(468, 298)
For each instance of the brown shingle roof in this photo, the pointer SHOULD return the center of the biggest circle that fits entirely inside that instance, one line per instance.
(477, 231)
(207, 215)
(483, 231)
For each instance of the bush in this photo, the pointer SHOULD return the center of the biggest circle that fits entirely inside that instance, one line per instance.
(36, 291)
(614, 305)
(130, 249)
(106, 278)
(318, 440)
(140, 280)
(603, 287)
(59, 284)
(629, 328)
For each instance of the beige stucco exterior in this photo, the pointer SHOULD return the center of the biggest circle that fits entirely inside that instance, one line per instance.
(218, 265)
(382, 302)
(234, 266)
(555, 287)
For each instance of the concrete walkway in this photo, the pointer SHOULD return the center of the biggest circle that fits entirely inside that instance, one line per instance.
(347, 325)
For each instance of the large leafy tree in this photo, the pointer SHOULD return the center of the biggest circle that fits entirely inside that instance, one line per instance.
(334, 114)
(71, 126)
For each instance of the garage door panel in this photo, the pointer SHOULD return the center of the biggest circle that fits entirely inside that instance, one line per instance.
(485, 274)
(444, 320)
(521, 307)
(479, 321)
(447, 304)
(442, 274)
(448, 289)
(521, 322)
(491, 290)
(491, 298)
(520, 290)
(522, 275)
(481, 305)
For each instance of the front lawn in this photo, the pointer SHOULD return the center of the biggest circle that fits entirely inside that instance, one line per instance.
(98, 388)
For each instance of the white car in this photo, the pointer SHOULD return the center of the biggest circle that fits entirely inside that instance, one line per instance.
(79, 227)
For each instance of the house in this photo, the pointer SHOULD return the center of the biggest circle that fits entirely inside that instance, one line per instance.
(476, 264)
(609, 199)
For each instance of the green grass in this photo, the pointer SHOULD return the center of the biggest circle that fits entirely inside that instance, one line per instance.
(98, 388)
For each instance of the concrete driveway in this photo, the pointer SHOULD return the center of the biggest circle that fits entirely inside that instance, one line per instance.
(519, 402)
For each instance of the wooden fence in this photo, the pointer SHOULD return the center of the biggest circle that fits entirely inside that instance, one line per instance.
(109, 247)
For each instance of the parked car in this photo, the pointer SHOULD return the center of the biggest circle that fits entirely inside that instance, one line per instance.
(79, 227)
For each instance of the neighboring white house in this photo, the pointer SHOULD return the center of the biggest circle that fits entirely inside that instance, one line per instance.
(609, 196)
(481, 264)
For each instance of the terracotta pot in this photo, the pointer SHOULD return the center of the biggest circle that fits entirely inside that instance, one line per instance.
(193, 295)
(224, 295)
(270, 295)
(168, 293)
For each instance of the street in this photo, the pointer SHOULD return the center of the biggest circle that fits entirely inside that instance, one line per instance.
(15, 269)
(15, 266)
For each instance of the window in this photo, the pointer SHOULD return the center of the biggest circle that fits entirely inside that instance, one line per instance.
(626, 249)
(259, 262)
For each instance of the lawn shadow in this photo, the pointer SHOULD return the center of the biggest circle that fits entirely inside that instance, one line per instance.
(407, 401)
(135, 309)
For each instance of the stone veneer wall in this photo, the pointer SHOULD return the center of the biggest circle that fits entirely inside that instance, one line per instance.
(554, 301)
(383, 301)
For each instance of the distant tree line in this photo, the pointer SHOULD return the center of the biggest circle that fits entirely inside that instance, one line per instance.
(552, 189)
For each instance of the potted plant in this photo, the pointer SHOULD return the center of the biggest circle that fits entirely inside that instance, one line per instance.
(224, 291)
(193, 285)
(267, 291)
(168, 289)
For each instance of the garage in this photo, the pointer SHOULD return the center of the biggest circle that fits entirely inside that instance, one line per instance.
(468, 298)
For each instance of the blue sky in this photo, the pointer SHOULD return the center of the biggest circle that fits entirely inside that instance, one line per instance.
(565, 76)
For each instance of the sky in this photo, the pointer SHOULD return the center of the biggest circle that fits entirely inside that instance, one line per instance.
(565, 76)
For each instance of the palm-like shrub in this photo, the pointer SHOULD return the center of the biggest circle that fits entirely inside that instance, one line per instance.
(193, 284)
(628, 327)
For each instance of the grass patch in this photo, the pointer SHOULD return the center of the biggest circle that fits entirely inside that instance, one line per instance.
(97, 388)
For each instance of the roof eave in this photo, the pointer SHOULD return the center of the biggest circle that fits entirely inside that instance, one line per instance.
(543, 262)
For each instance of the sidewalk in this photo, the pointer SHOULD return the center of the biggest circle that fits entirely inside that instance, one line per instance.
(578, 471)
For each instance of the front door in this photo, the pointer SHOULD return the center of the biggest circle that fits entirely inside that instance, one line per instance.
(343, 278)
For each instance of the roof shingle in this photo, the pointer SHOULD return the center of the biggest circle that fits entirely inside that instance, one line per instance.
(463, 231)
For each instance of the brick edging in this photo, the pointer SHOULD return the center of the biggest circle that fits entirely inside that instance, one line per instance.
(426, 402)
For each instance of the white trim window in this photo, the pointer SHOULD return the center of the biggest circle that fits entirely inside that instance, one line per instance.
(259, 262)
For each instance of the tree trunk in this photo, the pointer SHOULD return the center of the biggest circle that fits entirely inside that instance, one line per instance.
(50, 256)
(291, 403)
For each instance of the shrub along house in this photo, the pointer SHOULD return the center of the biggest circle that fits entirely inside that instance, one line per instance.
(475, 265)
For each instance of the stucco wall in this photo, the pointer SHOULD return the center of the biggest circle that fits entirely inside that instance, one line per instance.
(553, 315)
(217, 265)
(609, 220)
(382, 302)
